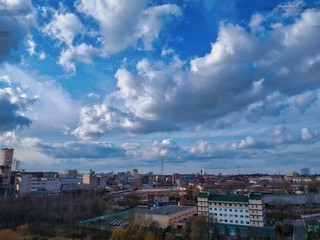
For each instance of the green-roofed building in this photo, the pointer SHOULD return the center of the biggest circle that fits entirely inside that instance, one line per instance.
(242, 210)
(235, 214)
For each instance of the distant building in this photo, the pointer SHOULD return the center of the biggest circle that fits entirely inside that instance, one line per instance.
(305, 171)
(134, 172)
(161, 200)
(5, 168)
(6, 156)
(16, 165)
(51, 174)
(28, 183)
(90, 179)
(71, 173)
(292, 174)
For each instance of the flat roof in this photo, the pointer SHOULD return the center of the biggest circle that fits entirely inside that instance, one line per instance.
(292, 198)
(228, 198)
(165, 210)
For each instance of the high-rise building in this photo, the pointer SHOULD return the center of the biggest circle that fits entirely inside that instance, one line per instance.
(5, 167)
(71, 173)
(7, 156)
(16, 165)
(305, 171)
(134, 172)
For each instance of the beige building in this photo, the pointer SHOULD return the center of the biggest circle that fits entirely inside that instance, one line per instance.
(169, 215)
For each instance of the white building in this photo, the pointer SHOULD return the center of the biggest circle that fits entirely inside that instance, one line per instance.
(30, 184)
(232, 209)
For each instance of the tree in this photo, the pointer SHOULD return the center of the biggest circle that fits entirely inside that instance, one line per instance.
(8, 234)
(199, 228)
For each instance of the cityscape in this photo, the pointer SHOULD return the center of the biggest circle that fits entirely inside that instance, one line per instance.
(159, 119)
(249, 206)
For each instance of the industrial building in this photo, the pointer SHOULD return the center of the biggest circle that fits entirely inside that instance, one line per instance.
(165, 216)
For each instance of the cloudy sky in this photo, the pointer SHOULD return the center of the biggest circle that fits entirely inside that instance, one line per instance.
(120, 84)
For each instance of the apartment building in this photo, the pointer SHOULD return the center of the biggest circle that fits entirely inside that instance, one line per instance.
(243, 210)
(31, 184)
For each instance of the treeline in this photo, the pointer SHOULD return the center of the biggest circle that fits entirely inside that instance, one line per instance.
(45, 216)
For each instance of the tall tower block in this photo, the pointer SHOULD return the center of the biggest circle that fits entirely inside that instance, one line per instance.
(7, 157)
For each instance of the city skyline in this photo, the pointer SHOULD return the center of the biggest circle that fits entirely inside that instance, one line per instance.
(203, 85)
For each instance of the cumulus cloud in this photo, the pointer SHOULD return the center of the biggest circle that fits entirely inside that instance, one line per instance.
(116, 26)
(235, 81)
(12, 103)
(40, 99)
(305, 100)
(81, 150)
(123, 24)
(64, 27)
(15, 19)
(97, 120)
(282, 135)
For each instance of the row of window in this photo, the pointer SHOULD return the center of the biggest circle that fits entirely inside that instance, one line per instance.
(232, 221)
(230, 204)
(255, 206)
(231, 215)
(230, 210)
(255, 212)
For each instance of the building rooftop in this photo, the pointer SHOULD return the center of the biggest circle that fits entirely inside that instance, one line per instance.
(291, 198)
(165, 210)
(230, 197)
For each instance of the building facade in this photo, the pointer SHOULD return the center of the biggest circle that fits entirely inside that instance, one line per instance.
(165, 216)
(244, 210)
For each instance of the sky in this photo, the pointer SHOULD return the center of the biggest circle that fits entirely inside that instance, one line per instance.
(110, 85)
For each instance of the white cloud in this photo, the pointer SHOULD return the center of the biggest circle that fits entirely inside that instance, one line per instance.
(231, 83)
(64, 27)
(124, 23)
(52, 105)
(255, 22)
(150, 24)
(31, 45)
(16, 18)
(306, 134)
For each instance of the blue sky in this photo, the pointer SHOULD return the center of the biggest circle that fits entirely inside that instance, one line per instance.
(203, 84)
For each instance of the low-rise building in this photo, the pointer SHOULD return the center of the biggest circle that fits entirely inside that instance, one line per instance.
(31, 184)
